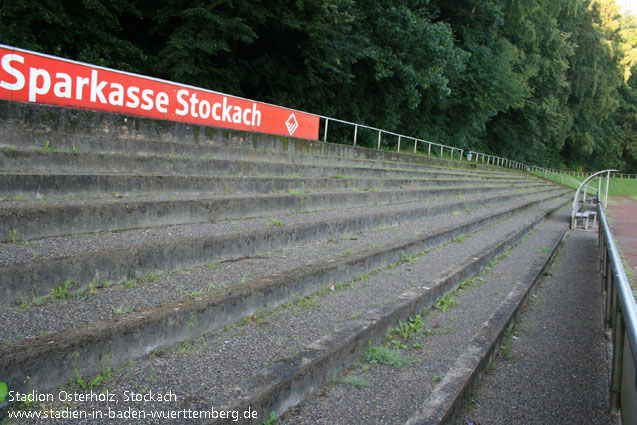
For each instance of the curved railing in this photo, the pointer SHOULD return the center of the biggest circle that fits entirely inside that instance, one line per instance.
(584, 184)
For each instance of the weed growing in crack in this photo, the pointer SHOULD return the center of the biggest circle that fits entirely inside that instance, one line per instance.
(400, 335)
(121, 310)
(472, 282)
(62, 292)
(413, 259)
(15, 238)
(130, 283)
(195, 294)
(353, 380)
(384, 355)
(153, 277)
(213, 265)
(48, 148)
(439, 377)
(271, 420)
(188, 347)
(446, 301)
(78, 380)
(304, 303)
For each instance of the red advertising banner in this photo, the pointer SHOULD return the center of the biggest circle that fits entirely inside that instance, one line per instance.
(33, 77)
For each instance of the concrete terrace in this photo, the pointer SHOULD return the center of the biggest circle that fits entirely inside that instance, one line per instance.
(304, 282)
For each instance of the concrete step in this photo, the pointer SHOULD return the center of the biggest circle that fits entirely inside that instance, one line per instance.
(43, 162)
(34, 269)
(27, 124)
(240, 152)
(40, 187)
(450, 344)
(181, 283)
(558, 340)
(131, 335)
(273, 360)
(31, 220)
(245, 269)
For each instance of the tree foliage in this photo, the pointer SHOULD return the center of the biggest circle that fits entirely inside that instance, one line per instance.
(547, 82)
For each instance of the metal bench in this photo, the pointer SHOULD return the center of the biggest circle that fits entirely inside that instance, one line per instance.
(585, 216)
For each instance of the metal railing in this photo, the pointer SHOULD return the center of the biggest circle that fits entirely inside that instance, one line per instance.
(620, 310)
(451, 151)
(620, 318)
(498, 161)
(580, 174)
(584, 174)
(624, 176)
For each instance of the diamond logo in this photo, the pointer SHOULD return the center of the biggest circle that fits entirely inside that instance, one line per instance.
(292, 124)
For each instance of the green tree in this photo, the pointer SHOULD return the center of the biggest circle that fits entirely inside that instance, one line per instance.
(89, 30)
(545, 82)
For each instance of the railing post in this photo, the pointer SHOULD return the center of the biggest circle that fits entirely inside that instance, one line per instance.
(355, 134)
(610, 298)
(398, 143)
(618, 362)
(379, 133)
(429, 151)
(325, 133)
(442, 149)
(415, 143)
(606, 194)
(602, 262)
(607, 282)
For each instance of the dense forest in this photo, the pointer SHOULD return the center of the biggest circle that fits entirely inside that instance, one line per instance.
(546, 82)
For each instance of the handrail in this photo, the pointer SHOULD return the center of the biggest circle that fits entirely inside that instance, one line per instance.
(490, 159)
(479, 156)
(453, 149)
(564, 175)
(617, 175)
(621, 317)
